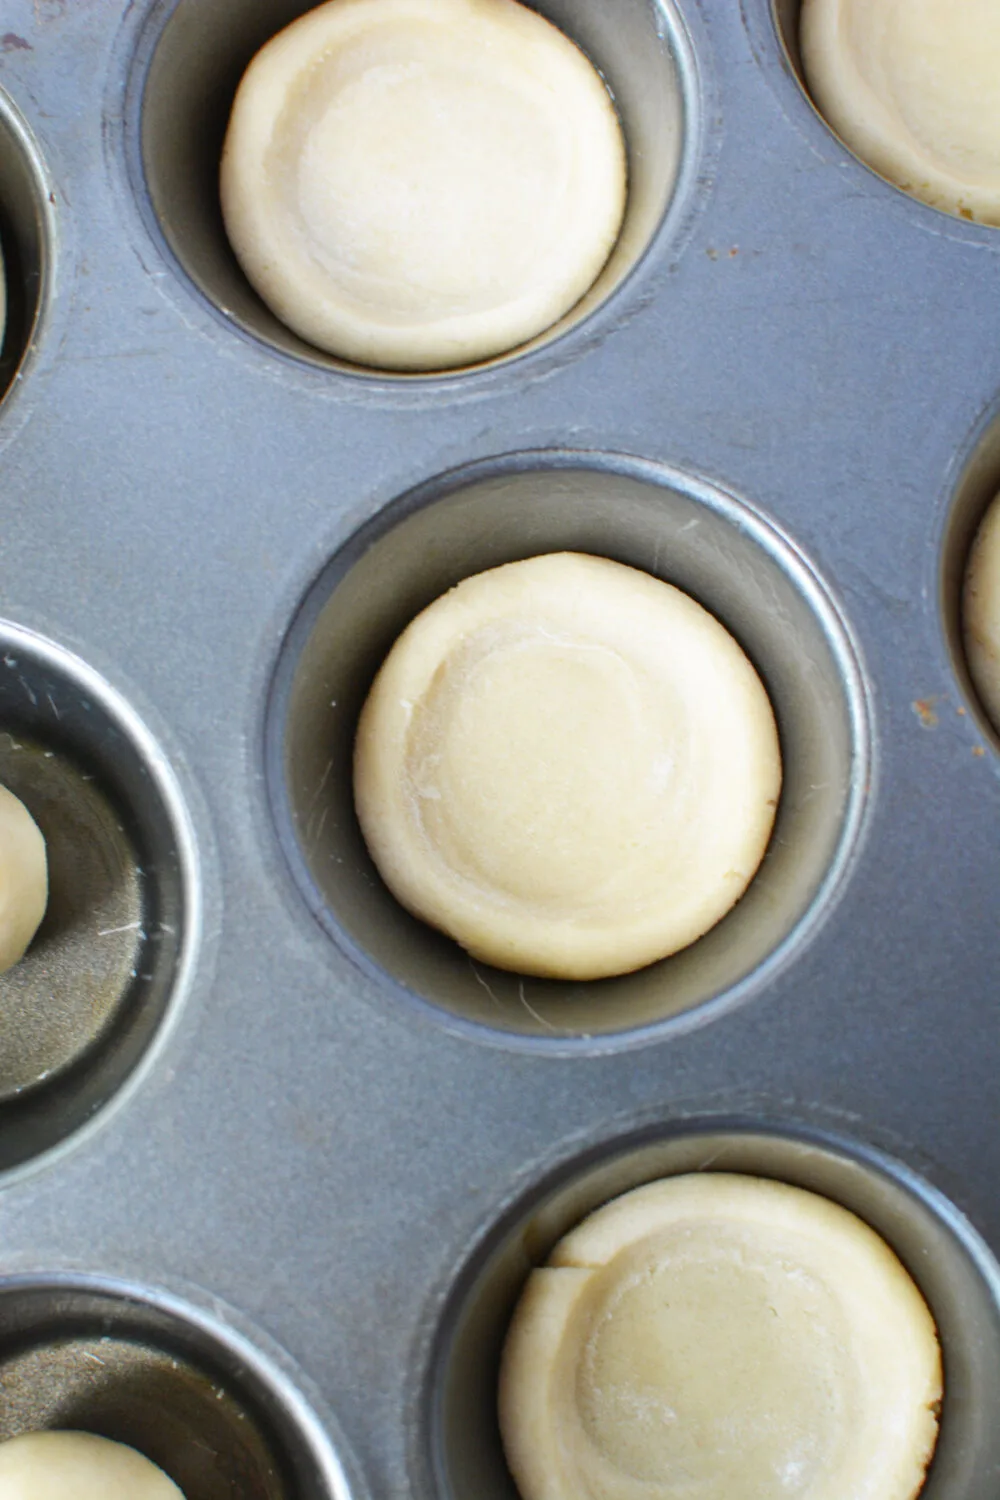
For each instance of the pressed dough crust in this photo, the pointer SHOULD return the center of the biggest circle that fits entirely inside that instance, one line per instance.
(24, 881)
(568, 766)
(719, 1337)
(981, 613)
(78, 1466)
(419, 184)
(912, 87)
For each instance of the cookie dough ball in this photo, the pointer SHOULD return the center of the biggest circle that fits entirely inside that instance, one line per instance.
(419, 184)
(24, 880)
(568, 766)
(78, 1466)
(718, 1337)
(911, 87)
(981, 613)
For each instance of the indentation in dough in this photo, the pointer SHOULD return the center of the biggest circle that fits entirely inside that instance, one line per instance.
(709, 1360)
(547, 772)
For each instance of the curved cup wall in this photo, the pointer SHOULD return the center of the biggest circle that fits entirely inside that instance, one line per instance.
(85, 1004)
(669, 525)
(25, 239)
(459, 1456)
(194, 53)
(978, 485)
(180, 1385)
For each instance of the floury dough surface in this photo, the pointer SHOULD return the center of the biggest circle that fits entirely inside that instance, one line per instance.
(568, 766)
(78, 1466)
(719, 1337)
(420, 184)
(911, 87)
(981, 613)
(24, 885)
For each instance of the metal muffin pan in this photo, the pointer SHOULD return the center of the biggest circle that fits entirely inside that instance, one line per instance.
(785, 396)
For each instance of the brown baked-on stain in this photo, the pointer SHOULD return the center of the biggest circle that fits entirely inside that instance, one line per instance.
(926, 712)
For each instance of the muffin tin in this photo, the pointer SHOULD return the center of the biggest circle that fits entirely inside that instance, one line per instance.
(275, 1159)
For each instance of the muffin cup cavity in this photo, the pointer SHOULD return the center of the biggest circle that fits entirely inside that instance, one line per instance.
(84, 1005)
(191, 59)
(673, 527)
(25, 241)
(179, 1384)
(458, 1454)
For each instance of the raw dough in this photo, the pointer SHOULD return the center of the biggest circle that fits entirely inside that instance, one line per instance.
(24, 880)
(911, 86)
(78, 1466)
(419, 184)
(718, 1337)
(981, 607)
(568, 766)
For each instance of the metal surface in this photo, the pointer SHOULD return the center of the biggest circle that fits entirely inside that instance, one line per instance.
(311, 1109)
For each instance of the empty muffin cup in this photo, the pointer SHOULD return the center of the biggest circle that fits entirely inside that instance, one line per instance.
(185, 1387)
(458, 1455)
(86, 1002)
(667, 524)
(192, 57)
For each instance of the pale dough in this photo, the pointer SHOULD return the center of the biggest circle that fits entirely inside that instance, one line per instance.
(420, 184)
(981, 610)
(719, 1337)
(912, 87)
(24, 881)
(568, 766)
(78, 1466)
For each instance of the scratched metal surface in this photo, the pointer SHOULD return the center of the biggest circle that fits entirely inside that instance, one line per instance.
(294, 1144)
